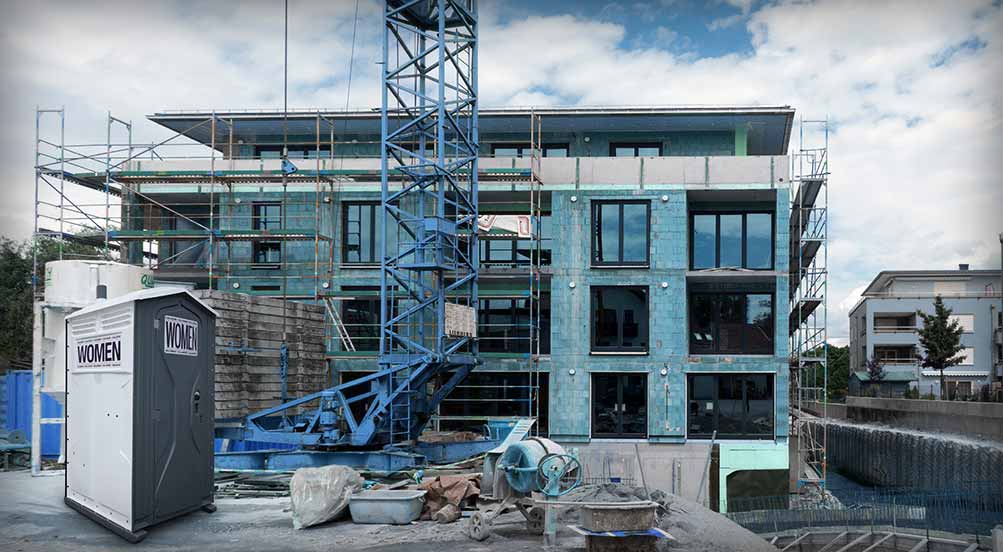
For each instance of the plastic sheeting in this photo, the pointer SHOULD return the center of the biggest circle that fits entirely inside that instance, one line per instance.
(322, 494)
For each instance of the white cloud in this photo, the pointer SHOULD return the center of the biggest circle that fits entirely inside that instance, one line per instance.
(665, 36)
(914, 149)
(724, 22)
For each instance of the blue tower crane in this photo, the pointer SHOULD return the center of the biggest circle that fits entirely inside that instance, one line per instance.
(428, 277)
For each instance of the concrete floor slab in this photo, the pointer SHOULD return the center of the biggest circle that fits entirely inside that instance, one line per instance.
(34, 518)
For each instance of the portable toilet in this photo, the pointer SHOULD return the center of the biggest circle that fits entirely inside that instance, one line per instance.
(139, 409)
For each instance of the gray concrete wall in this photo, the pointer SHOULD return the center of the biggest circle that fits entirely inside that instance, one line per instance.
(676, 468)
(972, 419)
(832, 411)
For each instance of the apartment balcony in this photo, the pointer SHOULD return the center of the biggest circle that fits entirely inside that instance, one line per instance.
(894, 329)
(896, 355)
(187, 175)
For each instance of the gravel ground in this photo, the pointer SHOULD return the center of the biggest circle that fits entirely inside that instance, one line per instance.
(33, 517)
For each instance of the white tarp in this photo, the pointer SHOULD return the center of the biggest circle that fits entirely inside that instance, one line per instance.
(322, 494)
(516, 224)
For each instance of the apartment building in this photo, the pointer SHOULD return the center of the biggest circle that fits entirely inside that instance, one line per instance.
(635, 283)
(883, 326)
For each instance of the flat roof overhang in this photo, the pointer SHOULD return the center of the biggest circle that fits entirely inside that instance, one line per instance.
(769, 127)
(885, 277)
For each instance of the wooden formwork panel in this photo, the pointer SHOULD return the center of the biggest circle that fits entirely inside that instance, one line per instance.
(249, 333)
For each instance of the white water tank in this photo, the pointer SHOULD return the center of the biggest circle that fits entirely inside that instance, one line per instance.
(70, 286)
(74, 283)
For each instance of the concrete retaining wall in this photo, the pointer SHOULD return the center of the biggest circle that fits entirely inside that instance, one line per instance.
(892, 457)
(833, 410)
(979, 420)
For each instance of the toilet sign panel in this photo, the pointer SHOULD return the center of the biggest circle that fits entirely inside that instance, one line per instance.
(100, 352)
(181, 336)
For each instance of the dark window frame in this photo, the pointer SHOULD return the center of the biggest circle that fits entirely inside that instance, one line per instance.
(613, 146)
(296, 151)
(521, 343)
(717, 322)
(745, 237)
(266, 287)
(262, 220)
(358, 328)
(512, 260)
(595, 259)
(594, 404)
(619, 349)
(740, 377)
(373, 257)
(521, 146)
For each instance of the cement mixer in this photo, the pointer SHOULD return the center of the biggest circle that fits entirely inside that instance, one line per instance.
(523, 477)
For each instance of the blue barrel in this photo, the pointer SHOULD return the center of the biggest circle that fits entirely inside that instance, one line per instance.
(520, 461)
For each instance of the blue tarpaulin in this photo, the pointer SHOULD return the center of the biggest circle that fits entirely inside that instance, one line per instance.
(19, 411)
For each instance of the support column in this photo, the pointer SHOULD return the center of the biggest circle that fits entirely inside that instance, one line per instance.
(741, 141)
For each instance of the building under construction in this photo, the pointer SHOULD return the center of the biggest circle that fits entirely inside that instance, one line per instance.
(649, 276)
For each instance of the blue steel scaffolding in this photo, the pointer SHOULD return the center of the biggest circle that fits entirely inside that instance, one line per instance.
(429, 235)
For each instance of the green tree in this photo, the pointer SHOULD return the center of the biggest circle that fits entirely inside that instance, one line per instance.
(940, 338)
(16, 311)
(839, 371)
(838, 368)
(875, 373)
(875, 370)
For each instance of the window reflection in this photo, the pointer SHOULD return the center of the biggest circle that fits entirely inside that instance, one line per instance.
(619, 405)
(619, 319)
(731, 240)
(737, 406)
(620, 233)
(740, 323)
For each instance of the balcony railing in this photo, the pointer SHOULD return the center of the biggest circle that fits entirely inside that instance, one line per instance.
(894, 329)
(897, 361)
(932, 294)
(554, 171)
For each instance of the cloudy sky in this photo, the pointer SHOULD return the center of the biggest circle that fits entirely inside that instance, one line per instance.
(912, 89)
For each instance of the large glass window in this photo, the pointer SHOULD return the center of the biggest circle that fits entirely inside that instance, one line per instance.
(361, 317)
(360, 241)
(267, 254)
(619, 405)
(737, 406)
(485, 395)
(644, 149)
(731, 240)
(504, 325)
(619, 319)
(731, 323)
(620, 233)
(360, 314)
(266, 217)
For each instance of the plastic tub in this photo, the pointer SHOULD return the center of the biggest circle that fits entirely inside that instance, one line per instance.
(395, 507)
